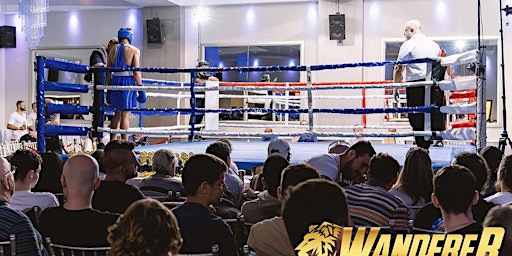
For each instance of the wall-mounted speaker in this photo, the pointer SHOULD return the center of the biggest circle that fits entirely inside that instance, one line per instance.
(7, 37)
(337, 26)
(154, 29)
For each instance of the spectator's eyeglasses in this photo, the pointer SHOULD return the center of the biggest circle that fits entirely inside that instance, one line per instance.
(13, 171)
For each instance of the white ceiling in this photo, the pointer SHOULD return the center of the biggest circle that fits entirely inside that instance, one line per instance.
(11, 6)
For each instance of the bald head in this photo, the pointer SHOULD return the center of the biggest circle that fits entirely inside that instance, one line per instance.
(6, 180)
(412, 28)
(80, 173)
(5, 167)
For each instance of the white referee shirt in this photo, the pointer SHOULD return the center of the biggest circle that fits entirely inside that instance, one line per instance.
(419, 46)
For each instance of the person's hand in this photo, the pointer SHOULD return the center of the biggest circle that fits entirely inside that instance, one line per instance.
(23, 127)
(250, 193)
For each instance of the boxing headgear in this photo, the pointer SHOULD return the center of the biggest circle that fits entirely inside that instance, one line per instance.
(202, 63)
(125, 33)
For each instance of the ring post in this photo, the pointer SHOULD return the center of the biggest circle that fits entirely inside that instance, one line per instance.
(192, 121)
(41, 147)
(98, 116)
(310, 98)
(481, 97)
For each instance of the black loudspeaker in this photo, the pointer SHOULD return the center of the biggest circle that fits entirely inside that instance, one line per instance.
(154, 29)
(7, 37)
(337, 26)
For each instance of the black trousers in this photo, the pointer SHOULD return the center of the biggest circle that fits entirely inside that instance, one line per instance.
(416, 97)
(199, 117)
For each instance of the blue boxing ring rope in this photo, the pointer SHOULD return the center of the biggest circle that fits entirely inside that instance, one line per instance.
(98, 109)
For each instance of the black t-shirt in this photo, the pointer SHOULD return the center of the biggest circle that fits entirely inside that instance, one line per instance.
(86, 227)
(430, 216)
(115, 196)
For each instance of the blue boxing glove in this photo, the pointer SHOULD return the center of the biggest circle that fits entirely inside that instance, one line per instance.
(141, 97)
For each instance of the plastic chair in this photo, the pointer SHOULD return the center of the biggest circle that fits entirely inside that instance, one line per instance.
(65, 250)
(8, 247)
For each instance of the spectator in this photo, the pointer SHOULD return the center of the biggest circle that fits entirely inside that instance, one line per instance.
(370, 203)
(504, 183)
(267, 205)
(31, 136)
(312, 194)
(347, 168)
(76, 223)
(120, 164)
(234, 184)
(17, 121)
(338, 147)
(414, 184)
(430, 217)
(454, 194)
(28, 167)
(269, 237)
(147, 228)
(28, 240)
(203, 180)
(51, 172)
(164, 165)
(279, 147)
(492, 156)
(232, 166)
(98, 155)
(499, 216)
(32, 116)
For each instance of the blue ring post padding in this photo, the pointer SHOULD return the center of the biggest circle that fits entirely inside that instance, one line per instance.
(192, 121)
(41, 142)
(66, 66)
(68, 109)
(65, 87)
(55, 130)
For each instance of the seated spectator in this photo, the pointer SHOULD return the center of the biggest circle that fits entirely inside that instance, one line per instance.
(504, 183)
(269, 237)
(28, 240)
(28, 167)
(76, 223)
(120, 164)
(147, 228)
(31, 136)
(232, 166)
(414, 184)
(306, 195)
(347, 168)
(234, 184)
(430, 217)
(98, 155)
(267, 205)
(305, 137)
(338, 147)
(499, 216)
(370, 203)
(51, 171)
(203, 180)
(492, 156)
(454, 194)
(279, 147)
(164, 165)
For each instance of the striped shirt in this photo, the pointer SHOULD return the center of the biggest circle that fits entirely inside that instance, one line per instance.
(15, 222)
(374, 206)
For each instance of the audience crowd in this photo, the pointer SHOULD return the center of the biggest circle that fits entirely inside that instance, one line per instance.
(209, 207)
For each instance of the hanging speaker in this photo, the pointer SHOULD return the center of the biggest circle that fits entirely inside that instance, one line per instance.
(337, 26)
(7, 37)
(154, 29)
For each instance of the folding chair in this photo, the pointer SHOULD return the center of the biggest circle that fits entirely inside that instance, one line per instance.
(65, 250)
(8, 247)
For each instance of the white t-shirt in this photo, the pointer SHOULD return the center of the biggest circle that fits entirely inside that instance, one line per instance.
(22, 200)
(500, 198)
(31, 118)
(326, 164)
(419, 46)
(17, 120)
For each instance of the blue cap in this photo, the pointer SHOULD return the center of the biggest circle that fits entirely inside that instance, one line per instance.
(125, 33)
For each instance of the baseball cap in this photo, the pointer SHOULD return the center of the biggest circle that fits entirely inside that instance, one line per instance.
(114, 40)
(32, 128)
(278, 147)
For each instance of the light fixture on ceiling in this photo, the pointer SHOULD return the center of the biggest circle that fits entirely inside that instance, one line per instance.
(32, 14)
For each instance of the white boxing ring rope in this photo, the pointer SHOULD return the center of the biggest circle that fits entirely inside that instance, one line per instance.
(157, 91)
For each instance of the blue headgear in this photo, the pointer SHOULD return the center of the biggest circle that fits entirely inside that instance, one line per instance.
(125, 33)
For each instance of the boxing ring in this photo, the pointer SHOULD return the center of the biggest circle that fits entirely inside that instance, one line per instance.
(249, 153)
